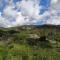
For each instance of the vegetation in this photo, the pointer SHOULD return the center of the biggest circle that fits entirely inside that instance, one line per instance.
(37, 43)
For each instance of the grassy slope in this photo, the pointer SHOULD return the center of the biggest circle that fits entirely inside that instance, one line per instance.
(18, 49)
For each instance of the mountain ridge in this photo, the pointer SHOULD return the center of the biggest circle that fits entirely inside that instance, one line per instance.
(34, 26)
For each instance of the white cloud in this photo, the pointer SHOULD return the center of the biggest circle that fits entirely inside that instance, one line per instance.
(55, 20)
(29, 13)
(0, 13)
(54, 13)
(54, 1)
(10, 14)
(9, 11)
(29, 8)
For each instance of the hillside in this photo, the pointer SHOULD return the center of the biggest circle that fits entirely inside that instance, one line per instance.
(30, 42)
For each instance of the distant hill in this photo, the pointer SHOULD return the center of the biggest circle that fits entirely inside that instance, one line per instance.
(32, 27)
(48, 26)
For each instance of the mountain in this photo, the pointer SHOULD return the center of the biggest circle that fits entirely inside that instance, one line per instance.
(45, 26)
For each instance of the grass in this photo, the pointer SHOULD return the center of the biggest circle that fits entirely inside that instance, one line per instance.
(26, 52)
(19, 49)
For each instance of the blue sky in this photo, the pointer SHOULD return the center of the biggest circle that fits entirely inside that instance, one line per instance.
(45, 3)
(20, 12)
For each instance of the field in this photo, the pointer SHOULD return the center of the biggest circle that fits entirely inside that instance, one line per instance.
(30, 43)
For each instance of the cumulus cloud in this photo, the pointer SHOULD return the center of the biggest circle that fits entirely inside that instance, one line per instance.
(27, 12)
(54, 13)
(29, 8)
(54, 1)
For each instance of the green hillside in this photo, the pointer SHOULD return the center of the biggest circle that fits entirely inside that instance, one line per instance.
(30, 43)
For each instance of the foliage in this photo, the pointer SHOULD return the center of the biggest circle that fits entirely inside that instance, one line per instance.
(18, 46)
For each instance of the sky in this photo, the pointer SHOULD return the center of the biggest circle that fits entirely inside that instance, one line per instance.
(29, 12)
